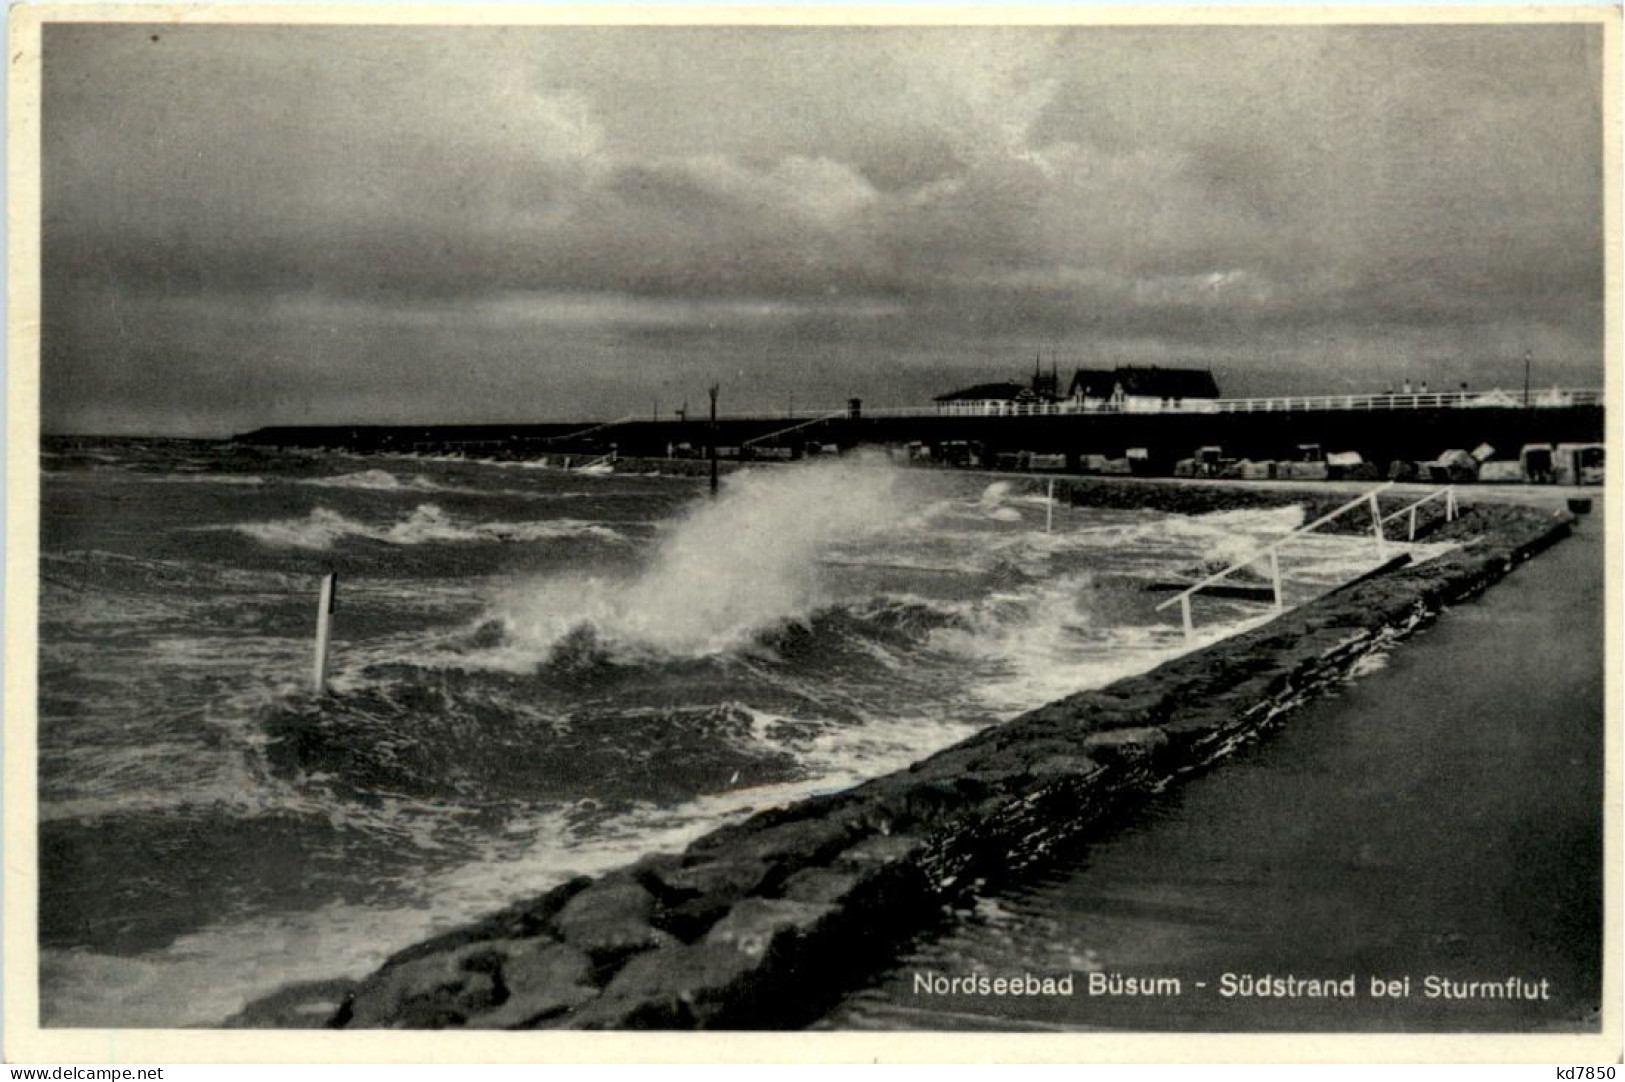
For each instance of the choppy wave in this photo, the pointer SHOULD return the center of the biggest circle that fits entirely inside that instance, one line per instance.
(376, 481)
(204, 478)
(453, 459)
(427, 524)
(98, 473)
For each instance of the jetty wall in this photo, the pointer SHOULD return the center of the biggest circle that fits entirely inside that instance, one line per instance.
(1381, 437)
(762, 924)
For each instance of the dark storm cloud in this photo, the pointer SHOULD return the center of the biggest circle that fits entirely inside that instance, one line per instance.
(247, 224)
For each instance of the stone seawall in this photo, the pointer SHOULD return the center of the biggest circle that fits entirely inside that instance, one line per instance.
(761, 924)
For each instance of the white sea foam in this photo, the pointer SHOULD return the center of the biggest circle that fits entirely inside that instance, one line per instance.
(736, 565)
(427, 524)
(996, 493)
(101, 473)
(375, 481)
(992, 506)
(1044, 642)
(841, 755)
(246, 479)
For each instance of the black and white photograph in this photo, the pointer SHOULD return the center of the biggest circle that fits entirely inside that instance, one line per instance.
(846, 524)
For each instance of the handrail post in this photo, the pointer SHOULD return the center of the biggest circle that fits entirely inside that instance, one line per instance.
(324, 610)
(1275, 577)
(1412, 536)
(1049, 508)
(1450, 511)
(1185, 614)
(1376, 527)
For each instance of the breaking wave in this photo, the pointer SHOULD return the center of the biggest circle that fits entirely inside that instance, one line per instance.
(427, 524)
(375, 481)
(735, 567)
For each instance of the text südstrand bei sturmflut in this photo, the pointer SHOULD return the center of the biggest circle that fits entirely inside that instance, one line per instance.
(1233, 986)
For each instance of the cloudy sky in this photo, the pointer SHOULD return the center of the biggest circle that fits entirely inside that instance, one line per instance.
(251, 225)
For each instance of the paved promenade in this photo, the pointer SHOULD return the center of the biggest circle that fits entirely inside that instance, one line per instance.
(1441, 816)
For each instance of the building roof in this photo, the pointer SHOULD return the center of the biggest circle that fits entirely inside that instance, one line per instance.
(1097, 383)
(1167, 382)
(1092, 383)
(1004, 391)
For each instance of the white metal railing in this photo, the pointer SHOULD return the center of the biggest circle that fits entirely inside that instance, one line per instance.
(1553, 397)
(1449, 495)
(1550, 398)
(1273, 551)
(1408, 400)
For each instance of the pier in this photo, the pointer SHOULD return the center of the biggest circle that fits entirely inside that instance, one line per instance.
(1380, 429)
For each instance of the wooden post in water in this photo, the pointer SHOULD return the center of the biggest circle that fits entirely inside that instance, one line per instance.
(1049, 508)
(1413, 521)
(1185, 615)
(713, 440)
(1275, 577)
(1376, 527)
(324, 611)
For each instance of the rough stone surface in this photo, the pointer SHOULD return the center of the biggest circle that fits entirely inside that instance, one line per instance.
(878, 852)
(306, 1005)
(439, 990)
(610, 919)
(526, 918)
(543, 980)
(674, 988)
(694, 897)
(790, 900)
(735, 875)
(1125, 742)
(819, 885)
(755, 924)
(1064, 765)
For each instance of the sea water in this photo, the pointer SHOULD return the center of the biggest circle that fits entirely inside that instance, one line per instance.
(534, 674)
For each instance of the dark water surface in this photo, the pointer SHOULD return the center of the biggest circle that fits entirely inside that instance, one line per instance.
(1442, 815)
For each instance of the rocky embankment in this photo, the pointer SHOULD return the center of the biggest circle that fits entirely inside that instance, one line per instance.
(762, 923)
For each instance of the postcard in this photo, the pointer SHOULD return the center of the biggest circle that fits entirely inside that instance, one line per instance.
(1060, 533)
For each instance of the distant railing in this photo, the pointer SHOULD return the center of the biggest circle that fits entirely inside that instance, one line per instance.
(1493, 399)
(599, 461)
(1273, 551)
(1413, 401)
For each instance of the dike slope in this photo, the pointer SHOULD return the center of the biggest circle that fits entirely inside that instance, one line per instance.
(761, 924)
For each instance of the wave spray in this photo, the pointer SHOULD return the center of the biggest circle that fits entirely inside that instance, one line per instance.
(732, 568)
